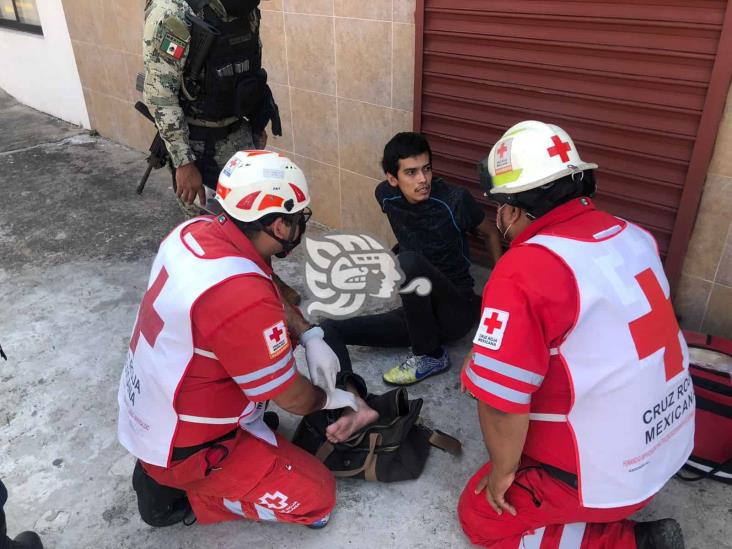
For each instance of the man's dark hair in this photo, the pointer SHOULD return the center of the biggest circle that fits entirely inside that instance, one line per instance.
(542, 200)
(403, 145)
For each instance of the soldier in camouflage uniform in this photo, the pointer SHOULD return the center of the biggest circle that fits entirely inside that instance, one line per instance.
(205, 118)
(166, 45)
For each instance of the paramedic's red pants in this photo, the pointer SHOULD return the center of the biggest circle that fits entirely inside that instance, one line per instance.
(254, 481)
(558, 519)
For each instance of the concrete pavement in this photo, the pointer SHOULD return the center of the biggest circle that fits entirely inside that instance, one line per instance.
(76, 246)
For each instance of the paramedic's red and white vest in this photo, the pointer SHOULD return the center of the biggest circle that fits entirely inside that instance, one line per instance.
(153, 370)
(632, 412)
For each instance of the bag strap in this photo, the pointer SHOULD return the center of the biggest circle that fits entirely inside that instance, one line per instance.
(325, 450)
(445, 442)
(369, 464)
(440, 439)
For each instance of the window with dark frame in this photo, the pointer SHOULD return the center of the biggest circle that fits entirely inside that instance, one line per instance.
(20, 15)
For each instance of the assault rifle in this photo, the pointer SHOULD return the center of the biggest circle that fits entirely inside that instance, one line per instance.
(203, 36)
(158, 153)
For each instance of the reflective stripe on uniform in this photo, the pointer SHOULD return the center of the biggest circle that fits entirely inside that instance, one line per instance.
(265, 514)
(508, 370)
(234, 507)
(264, 372)
(267, 387)
(556, 418)
(572, 535)
(193, 244)
(207, 354)
(208, 420)
(532, 540)
(498, 390)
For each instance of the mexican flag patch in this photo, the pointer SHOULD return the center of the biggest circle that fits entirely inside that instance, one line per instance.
(173, 47)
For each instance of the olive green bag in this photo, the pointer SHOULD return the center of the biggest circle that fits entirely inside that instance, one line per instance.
(393, 448)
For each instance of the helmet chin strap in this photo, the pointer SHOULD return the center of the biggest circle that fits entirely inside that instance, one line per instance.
(290, 243)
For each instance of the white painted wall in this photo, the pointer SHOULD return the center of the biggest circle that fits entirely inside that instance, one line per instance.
(40, 71)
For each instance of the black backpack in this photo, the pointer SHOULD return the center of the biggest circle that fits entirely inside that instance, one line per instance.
(392, 449)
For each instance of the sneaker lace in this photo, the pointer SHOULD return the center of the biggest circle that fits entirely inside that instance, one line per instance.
(409, 363)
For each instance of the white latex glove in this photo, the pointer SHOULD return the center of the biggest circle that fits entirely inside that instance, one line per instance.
(323, 363)
(338, 398)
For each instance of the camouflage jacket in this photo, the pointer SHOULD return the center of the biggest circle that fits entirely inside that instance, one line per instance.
(165, 46)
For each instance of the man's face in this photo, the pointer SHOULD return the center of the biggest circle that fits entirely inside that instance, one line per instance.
(414, 178)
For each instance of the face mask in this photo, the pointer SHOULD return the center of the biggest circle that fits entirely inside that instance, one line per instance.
(239, 8)
(498, 223)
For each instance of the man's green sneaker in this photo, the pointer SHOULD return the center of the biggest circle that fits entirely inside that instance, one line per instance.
(417, 367)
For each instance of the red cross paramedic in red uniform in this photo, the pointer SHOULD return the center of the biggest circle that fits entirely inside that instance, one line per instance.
(578, 364)
(211, 345)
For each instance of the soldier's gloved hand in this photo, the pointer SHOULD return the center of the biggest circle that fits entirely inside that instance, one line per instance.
(338, 398)
(323, 363)
(189, 184)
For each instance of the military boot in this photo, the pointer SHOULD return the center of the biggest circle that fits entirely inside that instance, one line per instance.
(26, 540)
(158, 505)
(659, 534)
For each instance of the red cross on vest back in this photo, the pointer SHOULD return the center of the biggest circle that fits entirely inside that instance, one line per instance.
(149, 323)
(560, 149)
(276, 334)
(657, 329)
(493, 323)
(502, 149)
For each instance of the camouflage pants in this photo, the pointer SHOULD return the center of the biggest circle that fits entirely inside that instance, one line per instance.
(211, 158)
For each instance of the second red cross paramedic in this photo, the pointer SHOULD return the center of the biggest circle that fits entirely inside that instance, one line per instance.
(578, 364)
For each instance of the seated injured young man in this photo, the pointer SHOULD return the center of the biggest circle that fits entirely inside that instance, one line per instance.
(431, 220)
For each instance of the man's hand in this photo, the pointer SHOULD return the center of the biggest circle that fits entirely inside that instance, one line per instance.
(496, 485)
(323, 363)
(504, 435)
(260, 140)
(189, 183)
(489, 233)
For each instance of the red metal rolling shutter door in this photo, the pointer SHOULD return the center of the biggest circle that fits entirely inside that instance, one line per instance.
(628, 81)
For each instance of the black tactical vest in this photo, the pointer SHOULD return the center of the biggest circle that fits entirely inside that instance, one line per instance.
(231, 81)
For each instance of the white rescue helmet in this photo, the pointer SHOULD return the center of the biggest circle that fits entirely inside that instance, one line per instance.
(256, 183)
(530, 155)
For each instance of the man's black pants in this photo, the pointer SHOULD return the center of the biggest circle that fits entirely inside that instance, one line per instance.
(4, 540)
(422, 322)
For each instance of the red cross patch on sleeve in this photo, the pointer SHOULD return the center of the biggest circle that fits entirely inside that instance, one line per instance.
(491, 329)
(276, 338)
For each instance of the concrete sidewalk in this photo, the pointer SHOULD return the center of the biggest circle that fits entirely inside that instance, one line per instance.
(77, 245)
